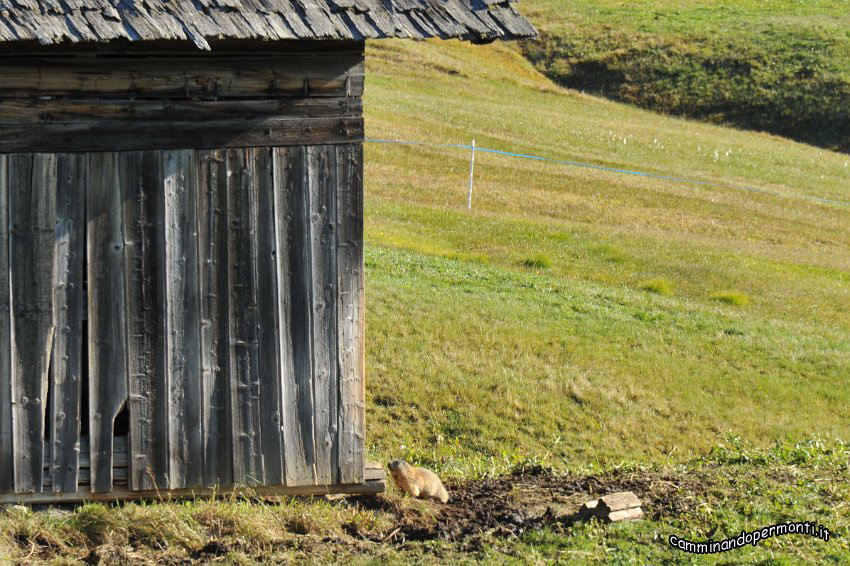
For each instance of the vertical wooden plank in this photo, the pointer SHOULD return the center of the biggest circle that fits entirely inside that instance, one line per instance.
(182, 302)
(212, 248)
(271, 404)
(106, 302)
(294, 313)
(143, 217)
(352, 404)
(322, 183)
(242, 316)
(33, 212)
(7, 456)
(66, 367)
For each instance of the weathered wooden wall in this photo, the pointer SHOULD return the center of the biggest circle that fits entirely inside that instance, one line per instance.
(55, 101)
(181, 247)
(224, 291)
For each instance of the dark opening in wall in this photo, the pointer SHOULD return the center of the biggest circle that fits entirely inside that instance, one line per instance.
(121, 424)
(48, 408)
(84, 379)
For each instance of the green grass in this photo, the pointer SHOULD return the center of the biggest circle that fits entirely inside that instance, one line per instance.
(539, 261)
(731, 297)
(476, 368)
(781, 66)
(658, 285)
(473, 366)
(735, 487)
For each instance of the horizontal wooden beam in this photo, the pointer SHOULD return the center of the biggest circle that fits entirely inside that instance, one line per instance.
(374, 483)
(120, 473)
(119, 477)
(184, 77)
(93, 111)
(129, 135)
(124, 494)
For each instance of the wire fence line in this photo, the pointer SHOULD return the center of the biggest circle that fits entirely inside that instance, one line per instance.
(720, 185)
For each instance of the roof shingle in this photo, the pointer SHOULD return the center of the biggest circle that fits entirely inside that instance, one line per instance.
(202, 21)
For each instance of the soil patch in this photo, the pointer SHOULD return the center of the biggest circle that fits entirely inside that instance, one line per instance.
(509, 506)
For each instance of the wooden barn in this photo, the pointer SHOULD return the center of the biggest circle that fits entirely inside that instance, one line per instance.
(181, 241)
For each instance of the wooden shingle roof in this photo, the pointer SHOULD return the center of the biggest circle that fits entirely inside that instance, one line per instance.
(202, 21)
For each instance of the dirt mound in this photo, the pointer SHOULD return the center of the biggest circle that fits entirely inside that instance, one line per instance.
(511, 505)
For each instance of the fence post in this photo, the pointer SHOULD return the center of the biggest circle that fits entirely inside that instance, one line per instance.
(471, 173)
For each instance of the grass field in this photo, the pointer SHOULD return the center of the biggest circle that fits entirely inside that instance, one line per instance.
(736, 488)
(586, 321)
(780, 65)
(476, 359)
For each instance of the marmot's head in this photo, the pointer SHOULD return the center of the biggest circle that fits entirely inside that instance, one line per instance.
(398, 468)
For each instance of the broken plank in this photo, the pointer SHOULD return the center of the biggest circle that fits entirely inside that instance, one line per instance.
(32, 212)
(143, 232)
(106, 314)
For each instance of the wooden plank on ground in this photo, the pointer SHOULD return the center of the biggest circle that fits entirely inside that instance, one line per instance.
(271, 403)
(7, 457)
(143, 217)
(183, 345)
(352, 433)
(32, 214)
(242, 316)
(294, 313)
(212, 247)
(106, 312)
(374, 471)
(617, 502)
(322, 186)
(66, 367)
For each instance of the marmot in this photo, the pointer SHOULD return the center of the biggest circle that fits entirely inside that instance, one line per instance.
(417, 482)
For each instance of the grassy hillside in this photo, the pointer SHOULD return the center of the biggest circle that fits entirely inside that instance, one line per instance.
(691, 343)
(533, 326)
(781, 66)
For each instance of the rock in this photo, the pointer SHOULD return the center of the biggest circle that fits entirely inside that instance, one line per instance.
(613, 508)
(617, 502)
(632, 514)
